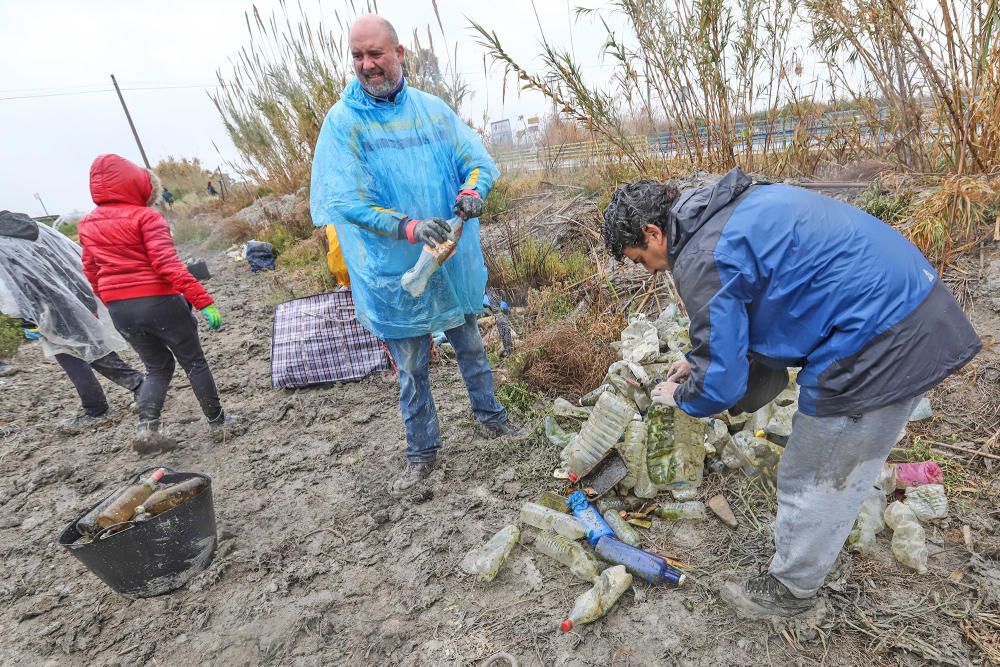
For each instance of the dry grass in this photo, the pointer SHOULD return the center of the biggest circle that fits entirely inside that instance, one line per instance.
(563, 359)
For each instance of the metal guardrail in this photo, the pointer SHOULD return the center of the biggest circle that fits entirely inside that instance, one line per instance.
(776, 134)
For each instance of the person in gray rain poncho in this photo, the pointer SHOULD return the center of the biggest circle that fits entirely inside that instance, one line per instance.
(42, 281)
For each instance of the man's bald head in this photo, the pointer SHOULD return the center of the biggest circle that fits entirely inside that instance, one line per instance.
(377, 54)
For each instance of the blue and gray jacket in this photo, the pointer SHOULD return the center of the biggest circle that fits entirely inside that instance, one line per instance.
(787, 277)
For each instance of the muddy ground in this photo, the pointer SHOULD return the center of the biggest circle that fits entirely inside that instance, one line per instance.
(318, 565)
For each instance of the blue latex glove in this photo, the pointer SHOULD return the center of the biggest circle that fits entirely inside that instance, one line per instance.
(211, 314)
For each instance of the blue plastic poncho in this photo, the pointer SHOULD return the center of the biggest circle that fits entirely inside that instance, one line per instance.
(377, 163)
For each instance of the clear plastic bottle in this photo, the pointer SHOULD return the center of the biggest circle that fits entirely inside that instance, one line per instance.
(543, 518)
(623, 531)
(580, 561)
(415, 280)
(692, 509)
(675, 448)
(598, 601)
(642, 564)
(928, 502)
(590, 398)
(633, 450)
(640, 341)
(868, 524)
(591, 520)
(123, 508)
(563, 408)
(602, 431)
(909, 544)
(485, 561)
(555, 433)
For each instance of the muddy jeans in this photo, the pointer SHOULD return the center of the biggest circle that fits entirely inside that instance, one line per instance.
(412, 356)
(827, 469)
(161, 328)
(81, 374)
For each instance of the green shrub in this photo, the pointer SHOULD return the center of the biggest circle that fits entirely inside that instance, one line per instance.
(11, 336)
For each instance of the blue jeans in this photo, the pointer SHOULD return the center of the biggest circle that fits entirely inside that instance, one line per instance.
(412, 355)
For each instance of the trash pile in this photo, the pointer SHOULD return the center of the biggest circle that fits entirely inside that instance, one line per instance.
(137, 503)
(628, 451)
(924, 500)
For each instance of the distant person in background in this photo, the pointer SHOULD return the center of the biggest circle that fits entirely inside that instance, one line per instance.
(211, 190)
(130, 260)
(42, 282)
(168, 198)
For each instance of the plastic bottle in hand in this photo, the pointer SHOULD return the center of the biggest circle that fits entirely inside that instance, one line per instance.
(172, 496)
(599, 600)
(578, 559)
(543, 518)
(123, 508)
(415, 280)
(641, 563)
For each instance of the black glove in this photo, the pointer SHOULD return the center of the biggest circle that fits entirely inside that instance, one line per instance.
(430, 231)
(468, 204)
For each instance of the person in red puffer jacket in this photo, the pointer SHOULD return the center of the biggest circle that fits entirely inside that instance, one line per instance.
(131, 262)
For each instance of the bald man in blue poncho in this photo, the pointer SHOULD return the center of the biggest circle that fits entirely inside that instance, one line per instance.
(390, 164)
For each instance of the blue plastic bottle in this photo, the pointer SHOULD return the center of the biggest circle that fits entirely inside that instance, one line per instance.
(640, 563)
(591, 519)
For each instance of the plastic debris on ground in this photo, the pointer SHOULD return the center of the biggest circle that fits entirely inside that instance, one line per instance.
(486, 560)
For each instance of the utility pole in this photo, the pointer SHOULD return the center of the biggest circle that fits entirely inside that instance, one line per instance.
(130, 123)
(39, 198)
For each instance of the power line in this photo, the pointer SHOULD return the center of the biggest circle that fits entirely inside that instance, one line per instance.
(104, 90)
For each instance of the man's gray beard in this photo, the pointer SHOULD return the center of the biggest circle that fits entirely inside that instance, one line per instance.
(380, 90)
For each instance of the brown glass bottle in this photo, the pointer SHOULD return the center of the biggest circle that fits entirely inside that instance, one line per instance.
(124, 505)
(173, 496)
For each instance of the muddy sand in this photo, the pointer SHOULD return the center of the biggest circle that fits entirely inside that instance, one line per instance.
(317, 565)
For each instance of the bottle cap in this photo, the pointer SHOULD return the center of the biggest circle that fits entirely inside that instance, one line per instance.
(573, 477)
(158, 474)
(567, 625)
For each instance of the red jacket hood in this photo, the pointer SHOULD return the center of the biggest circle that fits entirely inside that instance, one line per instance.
(115, 180)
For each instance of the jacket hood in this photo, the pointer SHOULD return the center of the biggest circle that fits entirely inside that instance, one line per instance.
(18, 226)
(115, 180)
(695, 207)
(356, 98)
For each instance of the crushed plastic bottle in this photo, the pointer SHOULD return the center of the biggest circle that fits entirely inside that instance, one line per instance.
(672, 329)
(886, 481)
(868, 524)
(591, 520)
(909, 544)
(555, 433)
(590, 398)
(415, 280)
(717, 436)
(917, 474)
(691, 509)
(633, 450)
(630, 381)
(646, 566)
(599, 600)
(621, 528)
(543, 518)
(675, 448)
(602, 431)
(563, 408)
(580, 561)
(640, 341)
(485, 561)
(928, 502)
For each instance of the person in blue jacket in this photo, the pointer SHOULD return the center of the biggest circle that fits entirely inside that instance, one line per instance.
(390, 164)
(774, 276)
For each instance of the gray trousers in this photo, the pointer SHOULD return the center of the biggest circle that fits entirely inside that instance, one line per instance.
(828, 467)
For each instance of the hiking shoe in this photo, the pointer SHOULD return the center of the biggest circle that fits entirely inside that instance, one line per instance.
(412, 475)
(764, 595)
(506, 429)
(149, 440)
(81, 423)
(226, 428)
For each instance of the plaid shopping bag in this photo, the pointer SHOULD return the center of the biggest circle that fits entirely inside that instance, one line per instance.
(317, 339)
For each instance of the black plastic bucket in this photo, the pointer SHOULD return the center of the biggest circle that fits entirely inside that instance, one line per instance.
(152, 557)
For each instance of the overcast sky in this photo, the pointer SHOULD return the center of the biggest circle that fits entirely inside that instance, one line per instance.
(58, 111)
